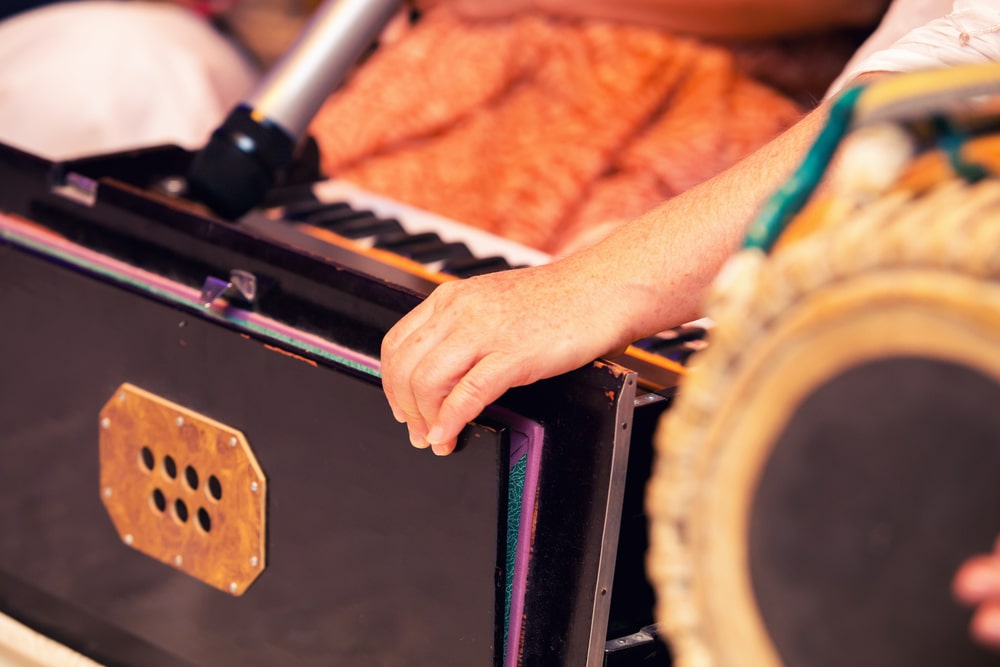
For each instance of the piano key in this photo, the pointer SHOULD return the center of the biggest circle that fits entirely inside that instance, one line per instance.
(367, 227)
(426, 247)
(415, 220)
(400, 242)
(474, 266)
(448, 247)
(330, 217)
(356, 220)
(439, 253)
(301, 210)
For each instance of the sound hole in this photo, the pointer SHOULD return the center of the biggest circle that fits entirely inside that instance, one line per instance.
(181, 510)
(159, 500)
(214, 488)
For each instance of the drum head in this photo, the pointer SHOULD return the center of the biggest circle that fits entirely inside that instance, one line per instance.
(831, 463)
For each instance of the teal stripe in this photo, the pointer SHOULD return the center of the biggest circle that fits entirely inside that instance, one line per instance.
(515, 491)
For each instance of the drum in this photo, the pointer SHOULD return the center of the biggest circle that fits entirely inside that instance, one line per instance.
(833, 457)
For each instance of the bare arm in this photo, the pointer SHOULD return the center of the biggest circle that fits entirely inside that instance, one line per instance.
(472, 340)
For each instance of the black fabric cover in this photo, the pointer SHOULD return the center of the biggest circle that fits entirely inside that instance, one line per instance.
(881, 484)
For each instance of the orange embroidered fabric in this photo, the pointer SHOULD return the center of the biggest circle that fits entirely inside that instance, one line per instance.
(543, 131)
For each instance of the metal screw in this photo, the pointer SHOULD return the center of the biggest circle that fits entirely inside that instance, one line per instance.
(253, 561)
(178, 560)
(232, 441)
(105, 423)
(128, 538)
(180, 421)
(254, 486)
(121, 396)
(233, 587)
(107, 492)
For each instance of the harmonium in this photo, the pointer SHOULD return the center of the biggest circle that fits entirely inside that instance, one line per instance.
(200, 468)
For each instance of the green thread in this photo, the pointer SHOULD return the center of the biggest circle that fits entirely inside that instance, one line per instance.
(951, 140)
(792, 196)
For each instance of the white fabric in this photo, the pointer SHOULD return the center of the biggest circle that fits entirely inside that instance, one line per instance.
(82, 78)
(926, 34)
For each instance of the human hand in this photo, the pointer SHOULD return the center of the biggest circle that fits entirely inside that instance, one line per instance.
(978, 584)
(471, 340)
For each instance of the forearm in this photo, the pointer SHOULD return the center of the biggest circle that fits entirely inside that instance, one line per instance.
(448, 358)
(673, 252)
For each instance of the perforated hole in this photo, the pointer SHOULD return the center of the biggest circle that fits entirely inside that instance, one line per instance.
(159, 500)
(214, 488)
(146, 458)
(181, 510)
(204, 520)
(191, 475)
(170, 467)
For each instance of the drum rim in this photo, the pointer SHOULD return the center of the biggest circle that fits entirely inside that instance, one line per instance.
(818, 284)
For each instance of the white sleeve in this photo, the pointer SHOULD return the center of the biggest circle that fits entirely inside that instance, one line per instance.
(928, 34)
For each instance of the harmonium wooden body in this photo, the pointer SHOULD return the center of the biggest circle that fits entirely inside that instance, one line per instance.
(200, 469)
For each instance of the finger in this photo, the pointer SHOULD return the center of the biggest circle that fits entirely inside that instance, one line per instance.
(439, 371)
(401, 349)
(418, 434)
(444, 448)
(978, 580)
(483, 384)
(986, 625)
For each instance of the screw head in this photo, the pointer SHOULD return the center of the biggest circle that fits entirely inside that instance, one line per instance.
(107, 492)
(105, 423)
(253, 561)
(178, 560)
(254, 486)
(180, 421)
(233, 587)
(128, 538)
(232, 441)
(121, 397)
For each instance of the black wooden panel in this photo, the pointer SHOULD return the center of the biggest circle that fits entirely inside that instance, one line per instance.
(378, 553)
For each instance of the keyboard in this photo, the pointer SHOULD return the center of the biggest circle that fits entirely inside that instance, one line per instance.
(438, 249)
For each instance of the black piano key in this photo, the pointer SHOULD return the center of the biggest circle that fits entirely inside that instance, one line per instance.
(466, 268)
(300, 211)
(424, 247)
(442, 251)
(435, 251)
(399, 242)
(366, 227)
(330, 218)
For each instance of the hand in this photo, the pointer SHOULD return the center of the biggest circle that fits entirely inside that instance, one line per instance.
(978, 584)
(471, 340)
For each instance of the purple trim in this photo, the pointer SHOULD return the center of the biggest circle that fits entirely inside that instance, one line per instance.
(525, 439)
(57, 246)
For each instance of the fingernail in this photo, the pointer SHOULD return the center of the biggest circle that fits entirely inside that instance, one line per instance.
(418, 442)
(440, 450)
(435, 435)
(398, 416)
